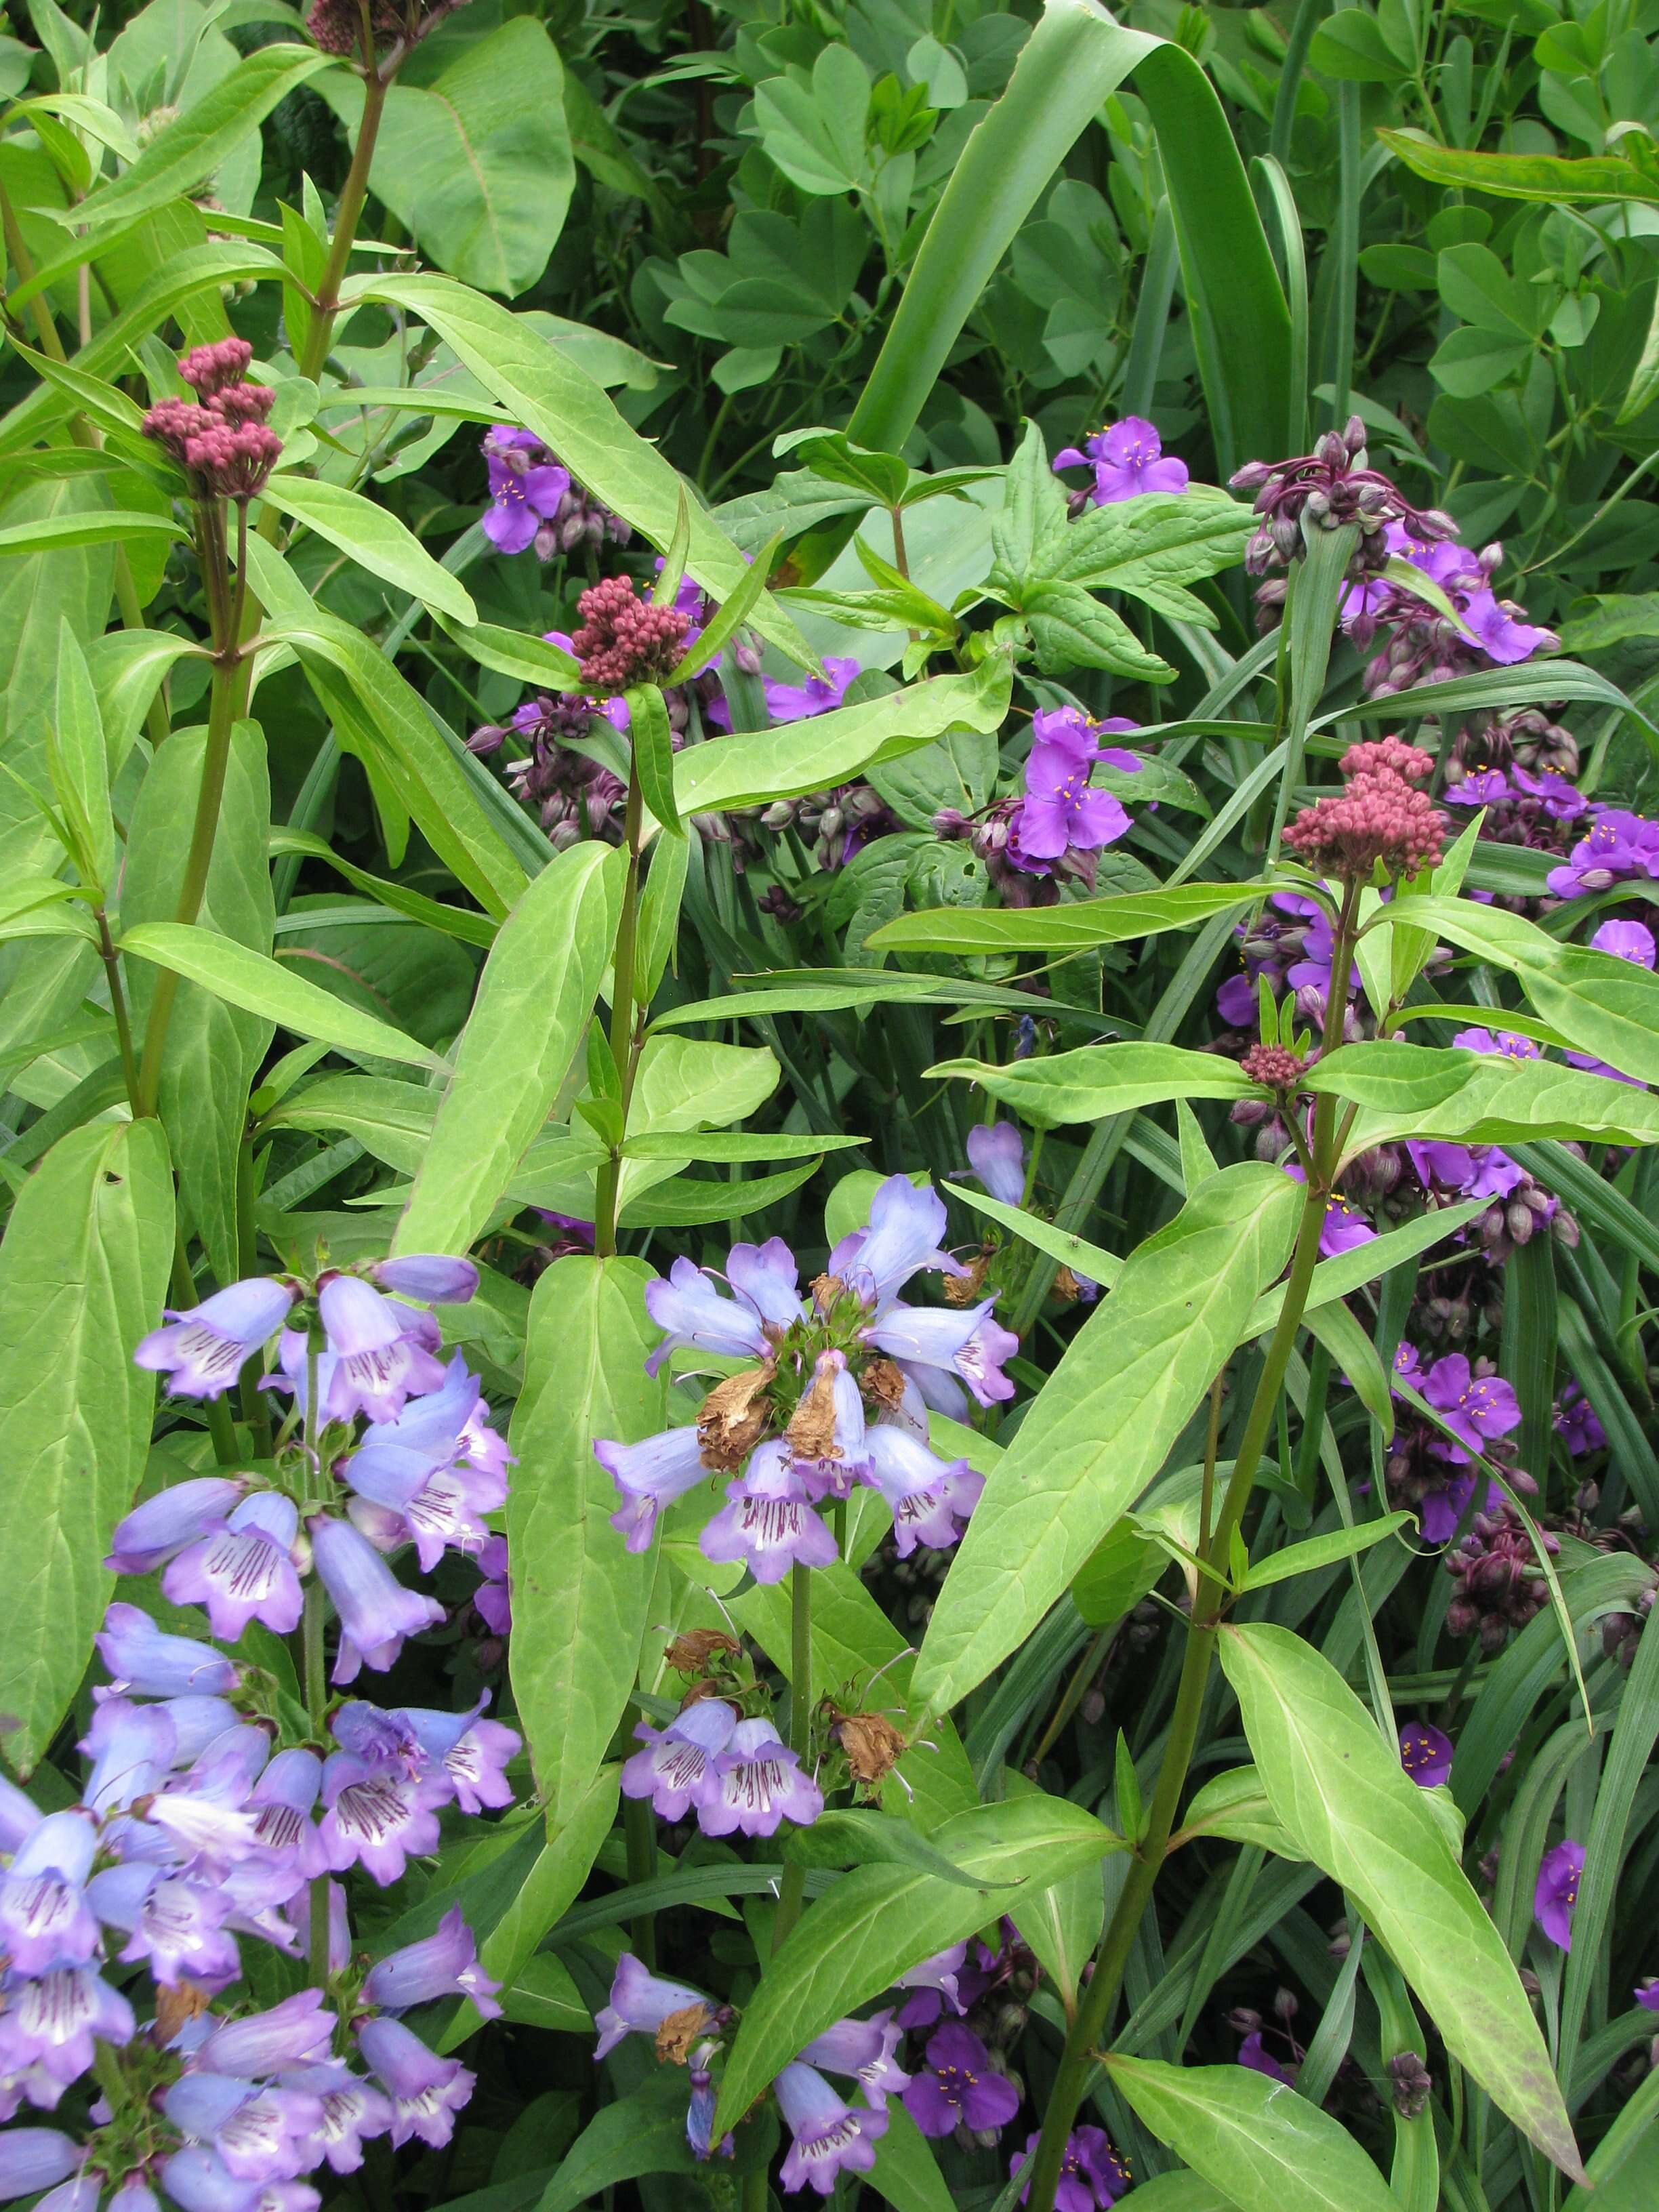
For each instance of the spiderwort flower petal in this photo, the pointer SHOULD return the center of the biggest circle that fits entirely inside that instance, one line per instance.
(957, 2085)
(1425, 1754)
(1557, 1891)
(829, 2137)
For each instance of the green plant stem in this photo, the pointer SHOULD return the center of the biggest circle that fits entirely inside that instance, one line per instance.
(641, 1838)
(792, 1890)
(347, 216)
(607, 1183)
(118, 1000)
(255, 1412)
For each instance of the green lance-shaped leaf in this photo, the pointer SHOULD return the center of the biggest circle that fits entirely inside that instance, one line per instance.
(549, 395)
(534, 999)
(652, 744)
(83, 1271)
(579, 1598)
(1342, 1794)
(79, 763)
(110, 527)
(786, 764)
(371, 536)
(191, 148)
(879, 1920)
(1521, 176)
(1099, 1080)
(1621, 2176)
(1105, 1421)
(516, 653)
(1073, 928)
(248, 979)
(1272, 2150)
(1479, 1098)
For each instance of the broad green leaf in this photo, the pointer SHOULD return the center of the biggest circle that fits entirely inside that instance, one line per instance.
(1619, 2175)
(753, 769)
(190, 150)
(641, 2134)
(371, 536)
(263, 986)
(545, 1995)
(83, 1271)
(579, 1597)
(1181, 2192)
(53, 532)
(79, 763)
(1071, 928)
(1343, 1794)
(1234, 1804)
(692, 1201)
(1062, 1925)
(860, 1837)
(1137, 545)
(573, 415)
(906, 2172)
(516, 653)
(1098, 1080)
(1086, 1260)
(651, 742)
(214, 1045)
(682, 1083)
(1325, 1551)
(561, 1867)
(1103, 1425)
(1272, 2150)
(877, 1921)
(1479, 1098)
(127, 665)
(535, 996)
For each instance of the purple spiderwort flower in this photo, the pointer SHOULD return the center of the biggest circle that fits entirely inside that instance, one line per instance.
(52, 2021)
(1626, 940)
(1505, 1042)
(526, 488)
(32, 2158)
(1619, 847)
(930, 1499)
(1484, 787)
(1091, 2174)
(935, 1983)
(380, 1359)
(829, 2138)
(1557, 1891)
(376, 1612)
(1344, 1227)
(671, 1769)
(202, 1350)
(1129, 459)
(141, 1657)
(1577, 1424)
(1645, 1993)
(1561, 800)
(1471, 1170)
(906, 1225)
(1253, 2053)
(754, 1783)
(244, 1571)
(996, 1159)
(651, 1475)
(1061, 810)
(1497, 632)
(1425, 1754)
(376, 1817)
(426, 2091)
(768, 1522)
(818, 695)
(687, 1306)
(933, 1344)
(442, 1965)
(45, 1918)
(1476, 1408)
(956, 2085)
(640, 2002)
(162, 1525)
(863, 2049)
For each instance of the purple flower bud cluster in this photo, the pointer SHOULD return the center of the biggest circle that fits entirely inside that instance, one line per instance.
(221, 437)
(337, 24)
(536, 503)
(1500, 1583)
(1128, 459)
(213, 1812)
(1329, 488)
(1424, 646)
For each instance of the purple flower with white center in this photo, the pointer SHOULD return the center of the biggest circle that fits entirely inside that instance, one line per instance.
(259, 2134)
(864, 2049)
(996, 1157)
(1254, 2054)
(281, 1802)
(376, 1612)
(380, 1360)
(1475, 1408)
(426, 2091)
(1577, 1424)
(688, 1307)
(957, 2086)
(651, 1475)
(202, 1350)
(352, 2111)
(768, 1522)
(640, 2002)
(930, 1499)
(244, 1571)
(1495, 626)
(829, 2137)
(832, 1472)
(377, 1818)
(934, 1982)
(140, 1657)
(442, 1965)
(1425, 1754)
(45, 1918)
(755, 1782)
(475, 1766)
(526, 488)
(906, 1225)
(175, 1925)
(131, 1748)
(1484, 787)
(671, 1769)
(438, 1467)
(202, 1810)
(933, 1343)
(818, 695)
(52, 2021)
(152, 1533)
(32, 2158)
(1129, 459)
(1091, 2174)
(433, 1277)
(197, 2179)
(295, 2032)
(1557, 1891)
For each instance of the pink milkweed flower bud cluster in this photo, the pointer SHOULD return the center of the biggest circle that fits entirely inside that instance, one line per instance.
(222, 437)
(624, 639)
(1381, 819)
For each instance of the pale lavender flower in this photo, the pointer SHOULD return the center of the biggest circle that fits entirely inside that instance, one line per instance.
(244, 1571)
(162, 1525)
(996, 1157)
(426, 2091)
(475, 1766)
(1557, 1891)
(766, 1279)
(352, 2111)
(377, 1818)
(432, 1278)
(687, 1306)
(640, 2002)
(32, 2158)
(651, 1475)
(259, 2134)
(281, 1803)
(141, 1657)
(829, 2137)
(376, 1612)
(132, 1749)
(442, 1965)
(294, 2033)
(176, 1926)
(202, 1349)
(934, 1981)
(1128, 459)
(935, 1344)
(864, 2049)
(930, 1499)
(197, 2180)
(906, 1225)
(672, 1769)
(53, 2020)
(768, 1522)
(754, 1783)
(45, 1918)
(380, 1357)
